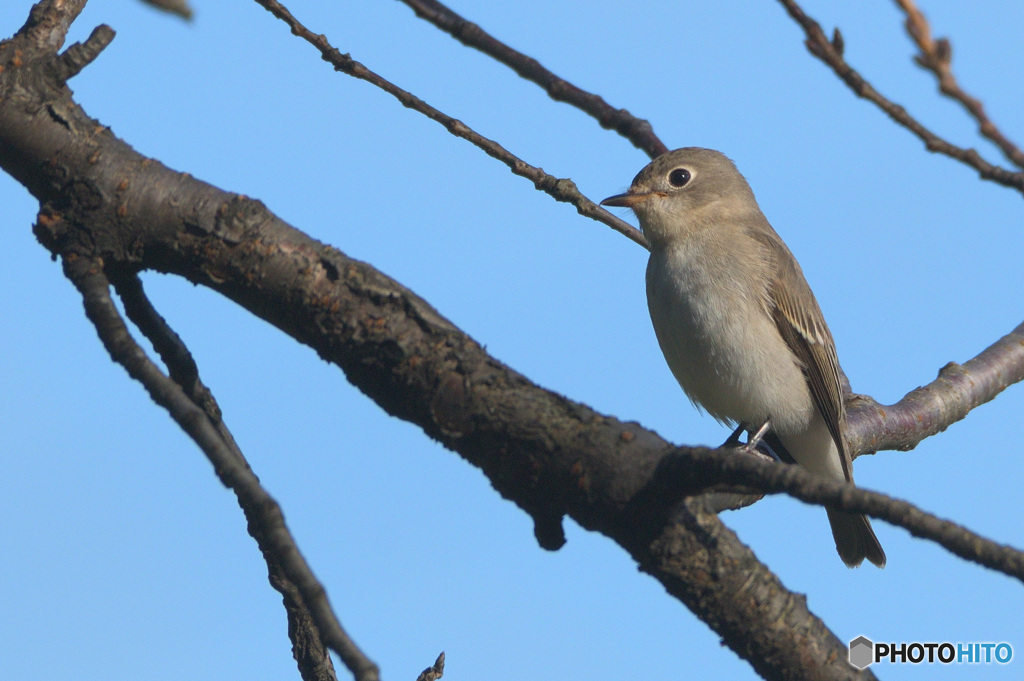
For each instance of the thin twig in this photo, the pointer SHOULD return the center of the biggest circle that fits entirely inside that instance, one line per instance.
(561, 189)
(937, 56)
(636, 130)
(168, 344)
(266, 521)
(831, 53)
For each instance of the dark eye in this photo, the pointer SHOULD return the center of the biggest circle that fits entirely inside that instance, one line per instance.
(679, 177)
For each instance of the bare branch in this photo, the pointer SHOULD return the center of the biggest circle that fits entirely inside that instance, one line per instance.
(308, 649)
(822, 48)
(692, 472)
(266, 521)
(937, 56)
(172, 350)
(931, 409)
(636, 130)
(561, 189)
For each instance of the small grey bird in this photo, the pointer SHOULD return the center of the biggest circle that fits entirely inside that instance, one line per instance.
(738, 323)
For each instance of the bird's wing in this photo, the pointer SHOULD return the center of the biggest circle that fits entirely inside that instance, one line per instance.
(798, 318)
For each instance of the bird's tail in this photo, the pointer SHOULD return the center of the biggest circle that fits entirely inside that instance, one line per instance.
(855, 540)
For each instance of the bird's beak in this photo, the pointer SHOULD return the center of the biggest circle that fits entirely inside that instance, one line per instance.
(627, 200)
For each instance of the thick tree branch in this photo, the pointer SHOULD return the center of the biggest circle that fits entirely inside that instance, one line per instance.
(561, 189)
(636, 130)
(831, 52)
(937, 56)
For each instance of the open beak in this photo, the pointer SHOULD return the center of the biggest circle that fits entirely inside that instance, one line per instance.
(627, 200)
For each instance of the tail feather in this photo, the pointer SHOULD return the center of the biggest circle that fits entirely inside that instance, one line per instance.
(855, 540)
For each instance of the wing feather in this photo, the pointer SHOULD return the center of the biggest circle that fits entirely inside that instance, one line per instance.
(800, 322)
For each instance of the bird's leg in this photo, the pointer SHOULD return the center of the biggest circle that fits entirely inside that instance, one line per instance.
(762, 442)
(778, 450)
(755, 438)
(734, 439)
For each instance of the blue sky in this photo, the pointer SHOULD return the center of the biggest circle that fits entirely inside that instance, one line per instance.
(123, 552)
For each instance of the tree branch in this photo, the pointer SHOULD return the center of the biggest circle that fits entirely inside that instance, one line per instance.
(637, 130)
(937, 56)
(931, 409)
(831, 52)
(691, 472)
(288, 569)
(561, 189)
(308, 649)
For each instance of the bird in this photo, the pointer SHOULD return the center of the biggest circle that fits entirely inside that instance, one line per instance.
(738, 324)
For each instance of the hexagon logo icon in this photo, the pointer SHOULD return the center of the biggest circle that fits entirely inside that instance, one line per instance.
(862, 652)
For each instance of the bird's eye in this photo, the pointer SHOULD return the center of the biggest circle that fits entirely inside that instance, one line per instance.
(679, 177)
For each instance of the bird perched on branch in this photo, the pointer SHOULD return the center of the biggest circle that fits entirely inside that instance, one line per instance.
(738, 324)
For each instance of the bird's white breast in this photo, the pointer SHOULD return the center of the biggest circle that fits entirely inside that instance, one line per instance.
(718, 339)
